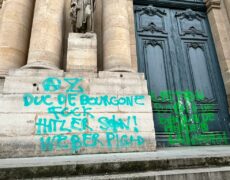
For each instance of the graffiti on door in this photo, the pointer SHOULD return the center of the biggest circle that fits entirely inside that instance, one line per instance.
(189, 119)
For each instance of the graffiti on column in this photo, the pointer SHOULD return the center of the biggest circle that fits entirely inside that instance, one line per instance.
(70, 121)
(186, 116)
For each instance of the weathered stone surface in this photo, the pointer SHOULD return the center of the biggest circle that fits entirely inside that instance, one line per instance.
(2, 81)
(132, 32)
(46, 41)
(174, 163)
(116, 35)
(221, 173)
(84, 74)
(82, 52)
(121, 75)
(24, 84)
(118, 86)
(17, 124)
(36, 73)
(143, 122)
(122, 123)
(15, 33)
(27, 146)
(14, 103)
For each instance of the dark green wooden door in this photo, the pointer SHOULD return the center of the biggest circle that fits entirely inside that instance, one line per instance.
(177, 55)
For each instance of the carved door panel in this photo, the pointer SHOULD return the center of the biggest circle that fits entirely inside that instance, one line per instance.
(177, 55)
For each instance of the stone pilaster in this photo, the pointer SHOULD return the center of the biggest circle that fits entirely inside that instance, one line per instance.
(47, 35)
(220, 27)
(15, 27)
(227, 5)
(132, 31)
(116, 36)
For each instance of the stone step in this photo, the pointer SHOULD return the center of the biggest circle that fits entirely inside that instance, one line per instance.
(222, 173)
(180, 159)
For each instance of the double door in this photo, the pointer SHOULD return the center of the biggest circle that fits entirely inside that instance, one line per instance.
(177, 55)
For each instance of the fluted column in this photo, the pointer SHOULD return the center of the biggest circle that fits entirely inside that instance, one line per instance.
(47, 35)
(15, 27)
(116, 36)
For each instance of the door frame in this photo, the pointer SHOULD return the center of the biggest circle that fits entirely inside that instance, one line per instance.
(200, 6)
(216, 32)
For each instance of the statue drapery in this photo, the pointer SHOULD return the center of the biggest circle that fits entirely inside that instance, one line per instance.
(82, 15)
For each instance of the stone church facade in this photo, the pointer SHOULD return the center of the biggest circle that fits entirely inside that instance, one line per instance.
(68, 93)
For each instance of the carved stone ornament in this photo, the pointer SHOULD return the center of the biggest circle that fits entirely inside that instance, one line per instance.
(190, 15)
(193, 31)
(196, 45)
(153, 43)
(213, 4)
(82, 15)
(153, 28)
(151, 11)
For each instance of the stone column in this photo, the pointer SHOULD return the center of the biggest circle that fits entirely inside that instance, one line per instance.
(116, 36)
(15, 27)
(220, 27)
(47, 35)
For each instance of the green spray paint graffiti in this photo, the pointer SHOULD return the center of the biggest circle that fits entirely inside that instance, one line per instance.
(186, 116)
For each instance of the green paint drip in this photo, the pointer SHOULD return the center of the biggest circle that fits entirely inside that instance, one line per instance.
(186, 125)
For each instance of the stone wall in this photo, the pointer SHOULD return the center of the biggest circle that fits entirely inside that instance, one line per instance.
(54, 113)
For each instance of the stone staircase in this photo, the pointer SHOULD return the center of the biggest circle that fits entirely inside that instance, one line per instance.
(181, 163)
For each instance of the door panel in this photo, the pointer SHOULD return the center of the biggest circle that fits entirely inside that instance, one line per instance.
(156, 67)
(196, 57)
(176, 53)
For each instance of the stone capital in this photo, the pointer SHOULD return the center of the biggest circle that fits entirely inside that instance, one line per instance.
(212, 4)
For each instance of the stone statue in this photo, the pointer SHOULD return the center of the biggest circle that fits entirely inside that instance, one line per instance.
(82, 15)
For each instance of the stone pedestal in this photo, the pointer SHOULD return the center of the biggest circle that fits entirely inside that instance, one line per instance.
(15, 26)
(82, 53)
(47, 35)
(107, 113)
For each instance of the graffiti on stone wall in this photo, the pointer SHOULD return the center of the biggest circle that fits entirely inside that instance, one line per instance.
(186, 116)
(70, 121)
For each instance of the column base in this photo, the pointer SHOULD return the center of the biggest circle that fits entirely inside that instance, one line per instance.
(121, 69)
(30, 72)
(40, 65)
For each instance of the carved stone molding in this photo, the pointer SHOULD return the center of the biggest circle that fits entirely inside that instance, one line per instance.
(193, 31)
(195, 45)
(153, 43)
(151, 11)
(189, 14)
(213, 4)
(153, 28)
